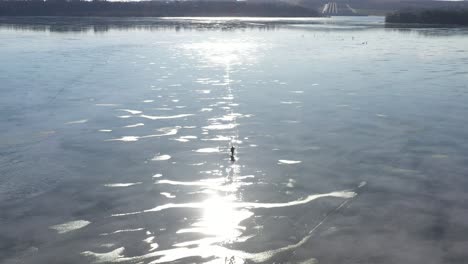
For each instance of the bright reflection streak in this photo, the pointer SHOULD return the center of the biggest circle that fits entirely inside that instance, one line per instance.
(224, 52)
(221, 219)
(222, 216)
(223, 212)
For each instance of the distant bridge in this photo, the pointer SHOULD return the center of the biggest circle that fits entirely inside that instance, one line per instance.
(338, 9)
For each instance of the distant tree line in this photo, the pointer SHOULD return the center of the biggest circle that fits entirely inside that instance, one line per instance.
(104, 24)
(442, 17)
(151, 9)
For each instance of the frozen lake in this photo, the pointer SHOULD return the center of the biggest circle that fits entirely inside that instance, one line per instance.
(350, 141)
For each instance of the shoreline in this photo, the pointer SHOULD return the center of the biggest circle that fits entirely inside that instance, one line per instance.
(431, 17)
(153, 9)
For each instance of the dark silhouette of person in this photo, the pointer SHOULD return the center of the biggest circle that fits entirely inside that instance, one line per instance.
(233, 149)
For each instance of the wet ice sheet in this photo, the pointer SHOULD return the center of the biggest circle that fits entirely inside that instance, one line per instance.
(135, 125)
(166, 131)
(82, 121)
(168, 195)
(390, 113)
(161, 157)
(207, 150)
(116, 185)
(220, 126)
(340, 194)
(133, 112)
(289, 161)
(166, 117)
(70, 226)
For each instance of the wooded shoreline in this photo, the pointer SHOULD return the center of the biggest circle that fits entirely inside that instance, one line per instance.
(434, 16)
(153, 9)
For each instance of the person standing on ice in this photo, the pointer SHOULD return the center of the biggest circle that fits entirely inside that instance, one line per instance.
(233, 149)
